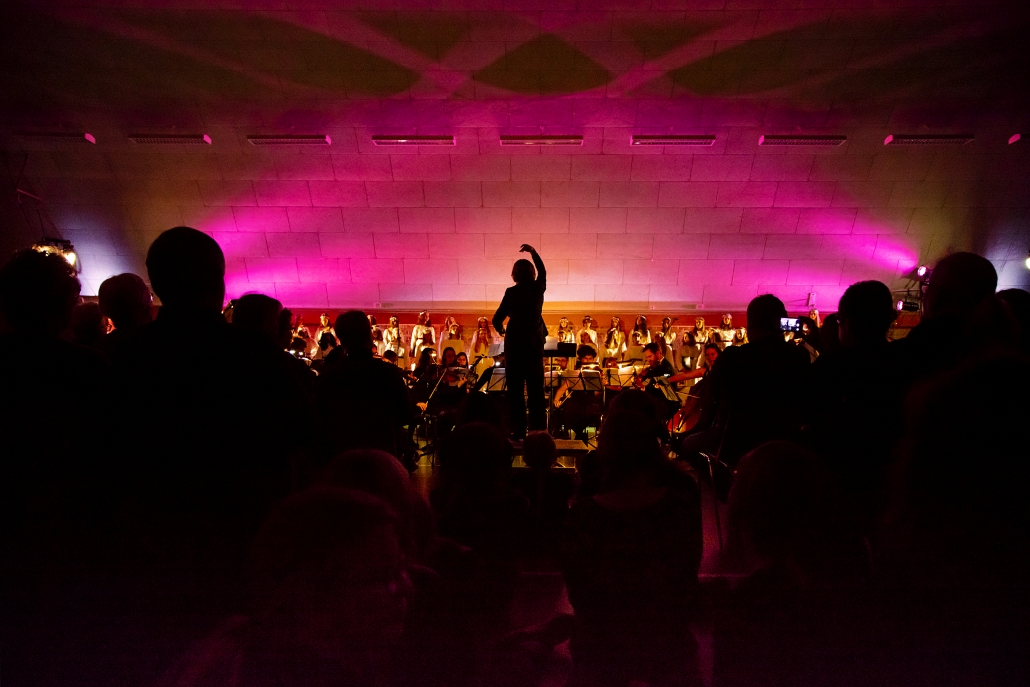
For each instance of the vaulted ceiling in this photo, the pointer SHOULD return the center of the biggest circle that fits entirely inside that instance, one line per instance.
(620, 226)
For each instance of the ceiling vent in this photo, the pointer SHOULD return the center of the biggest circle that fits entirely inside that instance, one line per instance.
(542, 140)
(413, 140)
(56, 137)
(171, 139)
(801, 140)
(317, 140)
(670, 140)
(927, 139)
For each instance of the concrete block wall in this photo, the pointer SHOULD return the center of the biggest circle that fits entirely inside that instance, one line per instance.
(663, 228)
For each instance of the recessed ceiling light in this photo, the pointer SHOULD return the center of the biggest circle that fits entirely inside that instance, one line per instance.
(672, 140)
(927, 139)
(290, 140)
(1013, 138)
(56, 137)
(542, 140)
(171, 139)
(413, 140)
(801, 140)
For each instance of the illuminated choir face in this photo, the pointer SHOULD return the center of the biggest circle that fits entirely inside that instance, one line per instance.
(699, 323)
(563, 323)
(727, 320)
(394, 322)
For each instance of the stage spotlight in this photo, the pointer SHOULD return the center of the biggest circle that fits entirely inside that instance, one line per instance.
(922, 271)
(1028, 261)
(907, 306)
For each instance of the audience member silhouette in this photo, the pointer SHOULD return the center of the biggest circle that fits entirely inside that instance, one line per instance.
(329, 596)
(959, 284)
(363, 401)
(203, 432)
(792, 620)
(51, 391)
(757, 388)
(87, 327)
(958, 554)
(1018, 302)
(856, 404)
(548, 492)
(630, 557)
(125, 300)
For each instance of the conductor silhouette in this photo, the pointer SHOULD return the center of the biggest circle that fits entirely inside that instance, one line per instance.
(524, 337)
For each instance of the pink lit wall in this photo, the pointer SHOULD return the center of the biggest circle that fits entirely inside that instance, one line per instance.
(619, 226)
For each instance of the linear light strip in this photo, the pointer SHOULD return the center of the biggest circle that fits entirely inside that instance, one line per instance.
(927, 139)
(413, 140)
(56, 137)
(171, 139)
(291, 140)
(801, 140)
(672, 140)
(542, 140)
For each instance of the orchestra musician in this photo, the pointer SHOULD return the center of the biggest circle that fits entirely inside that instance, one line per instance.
(656, 366)
(565, 333)
(711, 354)
(577, 409)
(615, 339)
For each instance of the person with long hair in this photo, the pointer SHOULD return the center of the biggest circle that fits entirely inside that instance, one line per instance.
(615, 339)
(640, 326)
(565, 333)
(588, 328)
(422, 335)
(392, 338)
(378, 340)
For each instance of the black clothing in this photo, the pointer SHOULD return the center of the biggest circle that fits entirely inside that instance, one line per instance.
(660, 371)
(757, 396)
(523, 349)
(363, 401)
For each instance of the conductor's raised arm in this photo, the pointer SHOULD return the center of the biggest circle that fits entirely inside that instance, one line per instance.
(541, 273)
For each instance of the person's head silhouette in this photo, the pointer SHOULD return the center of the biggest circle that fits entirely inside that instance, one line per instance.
(958, 284)
(353, 332)
(125, 300)
(763, 317)
(865, 313)
(187, 270)
(38, 292)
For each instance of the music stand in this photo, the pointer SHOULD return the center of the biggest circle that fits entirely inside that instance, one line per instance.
(497, 381)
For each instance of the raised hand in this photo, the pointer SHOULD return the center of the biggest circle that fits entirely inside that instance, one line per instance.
(526, 248)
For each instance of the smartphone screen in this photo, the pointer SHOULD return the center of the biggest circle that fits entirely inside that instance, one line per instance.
(790, 324)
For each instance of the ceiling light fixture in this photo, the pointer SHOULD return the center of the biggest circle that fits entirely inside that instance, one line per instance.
(1013, 138)
(290, 140)
(927, 139)
(171, 139)
(56, 137)
(542, 140)
(1028, 260)
(801, 140)
(906, 305)
(413, 140)
(672, 140)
